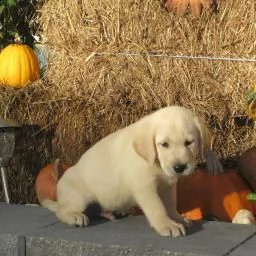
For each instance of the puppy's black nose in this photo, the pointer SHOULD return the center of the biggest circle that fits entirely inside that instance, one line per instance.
(180, 168)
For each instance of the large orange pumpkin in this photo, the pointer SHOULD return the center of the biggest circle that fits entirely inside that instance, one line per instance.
(46, 181)
(18, 65)
(221, 196)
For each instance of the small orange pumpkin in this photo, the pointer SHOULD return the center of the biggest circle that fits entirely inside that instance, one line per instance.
(18, 65)
(221, 196)
(46, 181)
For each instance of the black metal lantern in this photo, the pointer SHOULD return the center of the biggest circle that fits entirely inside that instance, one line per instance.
(7, 142)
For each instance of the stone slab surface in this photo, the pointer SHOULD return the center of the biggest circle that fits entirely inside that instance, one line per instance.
(16, 221)
(21, 219)
(248, 248)
(34, 231)
(133, 236)
(12, 245)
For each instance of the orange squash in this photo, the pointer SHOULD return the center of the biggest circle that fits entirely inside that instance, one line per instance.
(19, 65)
(46, 181)
(221, 196)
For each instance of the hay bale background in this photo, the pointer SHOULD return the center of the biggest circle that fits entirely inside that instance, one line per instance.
(86, 94)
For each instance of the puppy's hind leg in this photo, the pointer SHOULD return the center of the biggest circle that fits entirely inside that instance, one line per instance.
(71, 207)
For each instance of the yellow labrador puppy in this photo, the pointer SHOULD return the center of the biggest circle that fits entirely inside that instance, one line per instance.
(136, 165)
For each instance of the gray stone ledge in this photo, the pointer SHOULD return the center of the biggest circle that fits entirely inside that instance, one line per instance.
(34, 231)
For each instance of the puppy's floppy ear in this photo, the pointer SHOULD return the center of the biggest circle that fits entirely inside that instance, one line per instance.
(144, 143)
(205, 136)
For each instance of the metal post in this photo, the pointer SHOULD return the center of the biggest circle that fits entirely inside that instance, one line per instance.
(5, 184)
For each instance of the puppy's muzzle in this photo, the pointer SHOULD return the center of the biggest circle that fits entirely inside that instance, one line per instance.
(180, 168)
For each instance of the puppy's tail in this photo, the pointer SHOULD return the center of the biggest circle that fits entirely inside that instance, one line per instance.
(50, 204)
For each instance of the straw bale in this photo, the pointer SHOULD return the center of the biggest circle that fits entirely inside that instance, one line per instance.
(95, 85)
(117, 85)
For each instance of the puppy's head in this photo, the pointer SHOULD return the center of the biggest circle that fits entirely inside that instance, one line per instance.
(172, 137)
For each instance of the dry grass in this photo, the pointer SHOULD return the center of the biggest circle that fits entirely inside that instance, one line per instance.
(87, 94)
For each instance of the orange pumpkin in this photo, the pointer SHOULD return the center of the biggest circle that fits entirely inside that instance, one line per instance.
(19, 65)
(46, 181)
(221, 196)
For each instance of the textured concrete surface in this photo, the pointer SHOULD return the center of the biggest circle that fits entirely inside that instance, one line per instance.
(12, 245)
(16, 221)
(248, 248)
(34, 231)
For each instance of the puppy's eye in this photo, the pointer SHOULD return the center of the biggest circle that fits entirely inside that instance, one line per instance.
(165, 144)
(188, 142)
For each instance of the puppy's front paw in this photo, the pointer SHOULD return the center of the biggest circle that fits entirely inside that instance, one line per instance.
(171, 228)
(80, 220)
(74, 219)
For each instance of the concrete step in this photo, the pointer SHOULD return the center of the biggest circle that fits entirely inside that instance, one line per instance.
(34, 231)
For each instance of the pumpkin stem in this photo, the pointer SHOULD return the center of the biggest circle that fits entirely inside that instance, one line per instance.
(17, 38)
